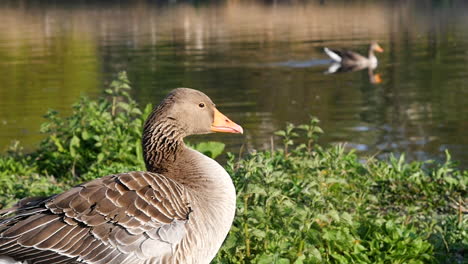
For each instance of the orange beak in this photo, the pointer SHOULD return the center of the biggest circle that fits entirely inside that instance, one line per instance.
(377, 79)
(378, 48)
(222, 124)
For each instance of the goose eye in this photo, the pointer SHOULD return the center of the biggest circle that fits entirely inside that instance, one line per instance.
(201, 105)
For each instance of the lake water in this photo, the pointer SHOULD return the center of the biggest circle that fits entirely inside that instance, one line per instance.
(262, 62)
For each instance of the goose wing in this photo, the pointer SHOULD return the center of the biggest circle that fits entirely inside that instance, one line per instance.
(348, 55)
(335, 55)
(343, 55)
(123, 218)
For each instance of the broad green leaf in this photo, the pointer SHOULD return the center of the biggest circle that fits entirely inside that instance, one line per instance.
(211, 148)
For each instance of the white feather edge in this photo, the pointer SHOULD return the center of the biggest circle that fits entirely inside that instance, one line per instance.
(332, 54)
(8, 260)
(333, 68)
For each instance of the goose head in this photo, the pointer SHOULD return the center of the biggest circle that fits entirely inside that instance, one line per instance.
(182, 113)
(375, 47)
(192, 112)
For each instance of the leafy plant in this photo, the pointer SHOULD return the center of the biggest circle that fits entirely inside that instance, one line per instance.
(100, 137)
(211, 149)
(287, 135)
(312, 132)
(325, 206)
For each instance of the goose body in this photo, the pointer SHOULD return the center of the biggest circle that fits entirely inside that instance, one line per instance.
(346, 60)
(178, 211)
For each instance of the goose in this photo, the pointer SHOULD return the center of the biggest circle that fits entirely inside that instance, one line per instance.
(179, 210)
(345, 60)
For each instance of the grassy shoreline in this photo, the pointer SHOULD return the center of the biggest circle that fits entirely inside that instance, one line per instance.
(299, 203)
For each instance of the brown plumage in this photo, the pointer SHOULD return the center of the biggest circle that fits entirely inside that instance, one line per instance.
(178, 211)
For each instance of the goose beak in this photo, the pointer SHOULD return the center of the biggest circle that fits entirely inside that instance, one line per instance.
(377, 79)
(378, 48)
(223, 124)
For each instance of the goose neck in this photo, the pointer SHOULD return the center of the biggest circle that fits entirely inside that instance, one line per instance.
(162, 145)
(371, 53)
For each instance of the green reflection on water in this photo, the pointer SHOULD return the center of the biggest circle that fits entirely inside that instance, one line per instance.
(66, 68)
(247, 56)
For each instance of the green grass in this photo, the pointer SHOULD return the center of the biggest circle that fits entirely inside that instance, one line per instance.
(300, 203)
(321, 205)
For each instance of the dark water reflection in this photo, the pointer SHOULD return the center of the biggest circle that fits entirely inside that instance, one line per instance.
(261, 62)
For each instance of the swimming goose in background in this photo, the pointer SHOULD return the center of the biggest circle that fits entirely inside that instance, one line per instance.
(345, 60)
(178, 211)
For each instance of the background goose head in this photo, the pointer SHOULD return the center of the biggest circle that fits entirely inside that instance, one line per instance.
(374, 46)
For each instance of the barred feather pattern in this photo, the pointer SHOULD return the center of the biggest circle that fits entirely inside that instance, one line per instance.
(161, 144)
